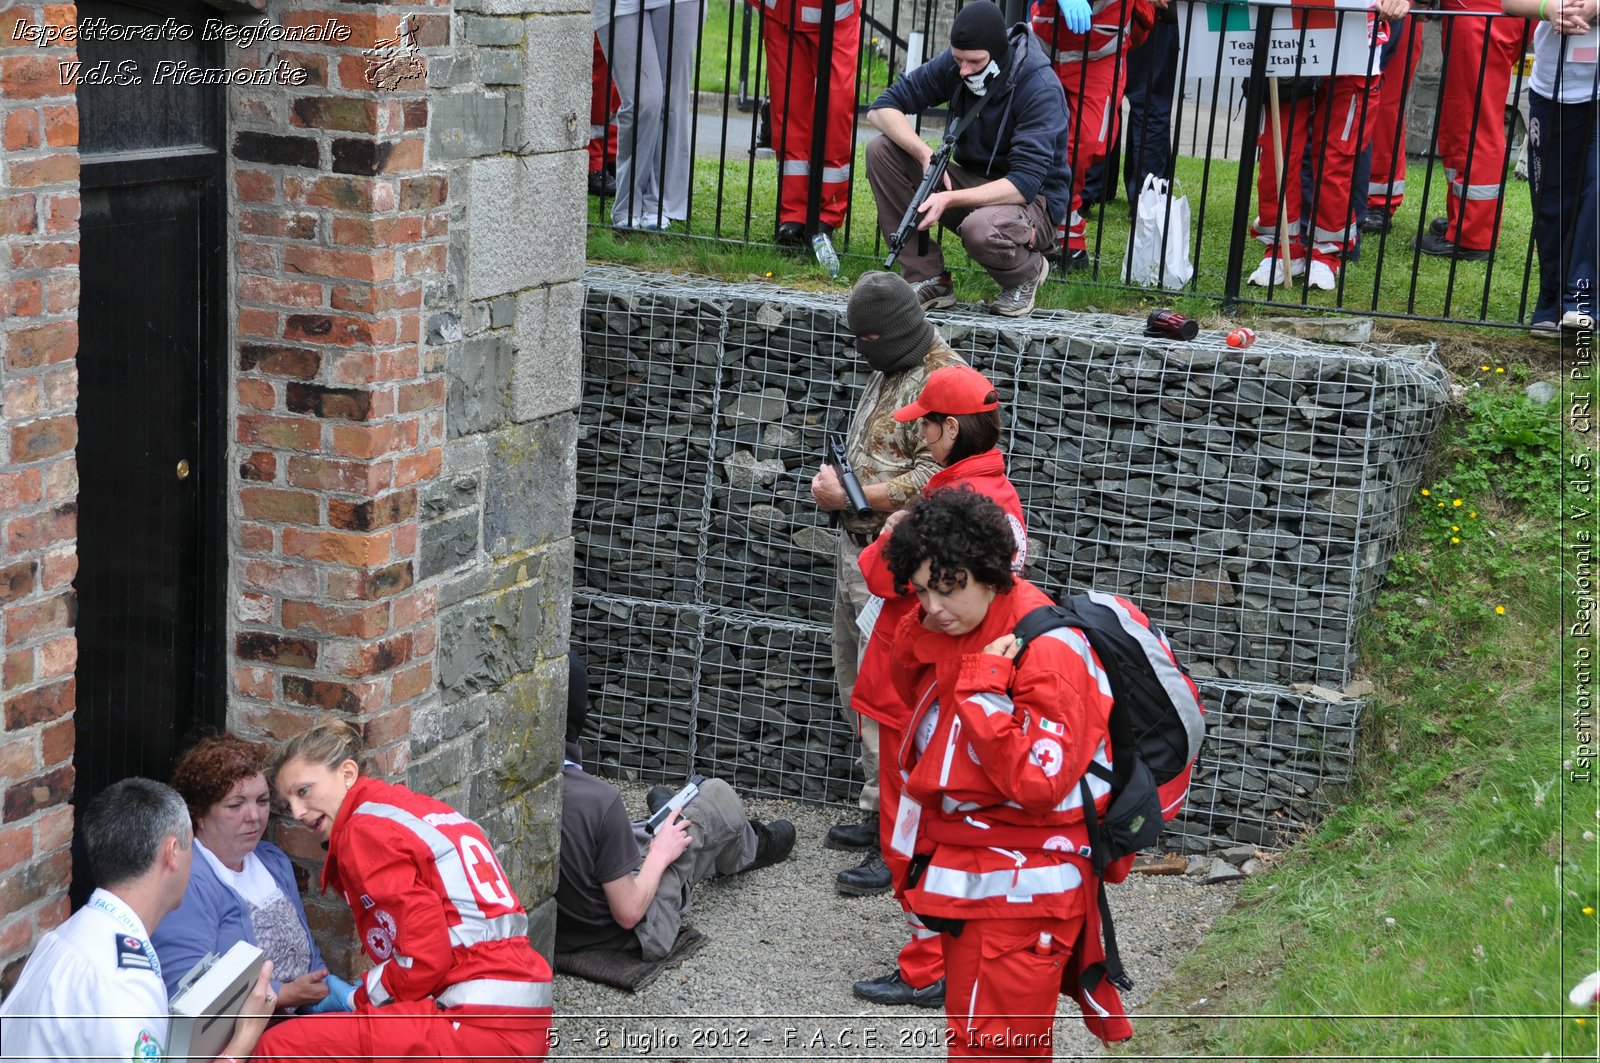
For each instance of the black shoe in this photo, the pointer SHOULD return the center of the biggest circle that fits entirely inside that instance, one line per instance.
(1075, 262)
(602, 184)
(773, 842)
(892, 989)
(657, 798)
(1439, 227)
(764, 124)
(850, 836)
(866, 879)
(791, 236)
(1438, 246)
(1374, 220)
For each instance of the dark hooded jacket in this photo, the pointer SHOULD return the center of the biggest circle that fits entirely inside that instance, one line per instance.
(1021, 133)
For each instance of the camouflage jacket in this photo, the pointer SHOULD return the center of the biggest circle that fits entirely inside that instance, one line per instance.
(884, 450)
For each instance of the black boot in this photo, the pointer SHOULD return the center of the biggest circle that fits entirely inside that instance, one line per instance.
(866, 879)
(773, 842)
(852, 836)
(892, 989)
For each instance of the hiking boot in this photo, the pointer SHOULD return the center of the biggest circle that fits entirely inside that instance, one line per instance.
(1439, 227)
(935, 293)
(1017, 301)
(894, 990)
(791, 236)
(851, 836)
(866, 879)
(603, 184)
(1439, 247)
(658, 797)
(773, 842)
(1375, 220)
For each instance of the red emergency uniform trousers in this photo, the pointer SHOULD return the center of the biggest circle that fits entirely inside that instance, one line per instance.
(1479, 55)
(408, 1030)
(1001, 991)
(603, 103)
(1094, 89)
(790, 30)
(1332, 122)
(921, 960)
(1386, 188)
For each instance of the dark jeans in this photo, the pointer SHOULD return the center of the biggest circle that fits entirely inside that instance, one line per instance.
(1563, 181)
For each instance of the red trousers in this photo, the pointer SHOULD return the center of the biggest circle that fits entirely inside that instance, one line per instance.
(1094, 106)
(1386, 188)
(1003, 983)
(792, 71)
(1479, 55)
(921, 960)
(407, 1031)
(1331, 121)
(603, 104)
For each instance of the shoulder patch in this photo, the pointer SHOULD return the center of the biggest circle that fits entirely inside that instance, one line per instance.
(130, 953)
(146, 1047)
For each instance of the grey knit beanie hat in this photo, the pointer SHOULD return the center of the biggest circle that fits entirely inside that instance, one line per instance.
(883, 303)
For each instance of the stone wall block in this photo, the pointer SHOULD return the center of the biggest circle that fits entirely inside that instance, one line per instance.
(465, 125)
(555, 73)
(549, 351)
(529, 487)
(525, 213)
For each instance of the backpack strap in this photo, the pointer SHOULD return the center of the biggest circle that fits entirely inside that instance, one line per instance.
(1111, 966)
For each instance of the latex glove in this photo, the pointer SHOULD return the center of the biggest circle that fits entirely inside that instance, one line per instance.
(1075, 13)
(341, 997)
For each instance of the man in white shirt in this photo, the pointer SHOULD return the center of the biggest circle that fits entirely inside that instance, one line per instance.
(92, 988)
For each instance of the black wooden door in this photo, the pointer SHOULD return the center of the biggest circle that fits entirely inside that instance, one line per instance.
(151, 408)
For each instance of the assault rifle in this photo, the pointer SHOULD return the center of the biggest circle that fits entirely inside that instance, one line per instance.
(931, 181)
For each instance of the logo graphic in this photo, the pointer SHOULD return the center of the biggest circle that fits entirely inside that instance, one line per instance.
(1058, 843)
(1047, 754)
(380, 939)
(390, 62)
(146, 1047)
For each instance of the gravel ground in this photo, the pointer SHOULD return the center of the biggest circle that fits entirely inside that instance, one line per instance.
(783, 948)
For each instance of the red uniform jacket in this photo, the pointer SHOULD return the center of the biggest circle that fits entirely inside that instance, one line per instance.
(874, 693)
(432, 906)
(1111, 23)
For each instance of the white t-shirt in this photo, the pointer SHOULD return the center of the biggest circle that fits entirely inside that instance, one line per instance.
(92, 988)
(255, 883)
(1577, 70)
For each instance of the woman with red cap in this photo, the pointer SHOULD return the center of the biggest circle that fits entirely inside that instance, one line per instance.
(958, 412)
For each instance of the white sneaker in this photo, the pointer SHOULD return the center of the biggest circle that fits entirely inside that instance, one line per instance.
(1322, 276)
(1272, 267)
(1577, 321)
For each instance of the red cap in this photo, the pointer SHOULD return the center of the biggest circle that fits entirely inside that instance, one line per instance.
(953, 390)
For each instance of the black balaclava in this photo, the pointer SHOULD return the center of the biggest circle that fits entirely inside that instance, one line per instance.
(885, 304)
(980, 26)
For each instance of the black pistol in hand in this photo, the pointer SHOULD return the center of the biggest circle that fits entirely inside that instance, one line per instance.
(840, 461)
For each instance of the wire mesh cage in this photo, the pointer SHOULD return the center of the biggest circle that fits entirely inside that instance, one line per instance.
(1248, 501)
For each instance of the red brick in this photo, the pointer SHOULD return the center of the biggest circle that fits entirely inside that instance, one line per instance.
(268, 648)
(16, 846)
(54, 829)
(301, 294)
(372, 513)
(412, 609)
(253, 683)
(58, 657)
(414, 113)
(61, 216)
(257, 539)
(60, 568)
(257, 323)
(256, 394)
(61, 480)
(261, 466)
(348, 477)
(282, 225)
(255, 186)
(61, 126)
(370, 586)
(18, 215)
(417, 468)
(17, 671)
(17, 580)
(47, 254)
(377, 232)
(32, 77)
(39, 530)
(382, 728)
(56, 169)
(359, 660)
(61, 293)
(353, 265)
(411, 682)
(330, 694)
(427, 394)
(338, 193)
(365, 29)
(29, 620)
(337, 330)
(348, 113)
(437, 224)
(316, 400)
(42, 345)
(22, 399)
(40, 705)
(302, 363)
(38, 880)
(315, 65)
(278, 506)
(365, 623)
(288, 433)
(419, 260)
(256, 256)
(21, 488)
(60, 387)
(21, 298)
(21, 131)
(56, 741)
(275, 577)
(18, 758)
(423, 193)
(358, 551)
(405, 540)
(371, 441)
(40, 439)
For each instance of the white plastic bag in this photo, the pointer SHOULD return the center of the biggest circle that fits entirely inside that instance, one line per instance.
(1156, 229)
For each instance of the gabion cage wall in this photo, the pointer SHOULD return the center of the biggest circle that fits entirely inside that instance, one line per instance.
(1249, 501)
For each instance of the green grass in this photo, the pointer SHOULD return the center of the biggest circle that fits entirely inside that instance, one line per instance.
(1447, 906)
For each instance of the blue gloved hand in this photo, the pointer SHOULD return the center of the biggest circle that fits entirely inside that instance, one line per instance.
(1075, 13)
(341, 997)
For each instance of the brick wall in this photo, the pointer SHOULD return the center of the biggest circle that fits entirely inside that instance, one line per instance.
(38, 479)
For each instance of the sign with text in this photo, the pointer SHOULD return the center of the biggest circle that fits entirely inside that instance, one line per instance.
(1316, 39)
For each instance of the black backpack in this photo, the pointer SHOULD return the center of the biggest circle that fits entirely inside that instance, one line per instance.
(1157, 724)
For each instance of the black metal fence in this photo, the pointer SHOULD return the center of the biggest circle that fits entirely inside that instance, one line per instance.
(1425, 218)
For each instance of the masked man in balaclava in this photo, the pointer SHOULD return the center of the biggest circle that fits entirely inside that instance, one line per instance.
(1008, 185)
(893, 464)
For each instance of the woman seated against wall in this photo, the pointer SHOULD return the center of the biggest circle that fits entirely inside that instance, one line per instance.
(241, 888)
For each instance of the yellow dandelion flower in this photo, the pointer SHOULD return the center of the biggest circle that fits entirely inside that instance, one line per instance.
(1457, 503)
(1588, 911)
(1439, 504)
(1501, 369)
(1499, 610)
(769, 273)
(1473, 515)
(1426, 492)
(1455, 527)
(1454, 539)
(1483, 368)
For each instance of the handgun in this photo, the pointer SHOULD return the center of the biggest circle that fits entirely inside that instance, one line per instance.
(690, 791)
(840, 460)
